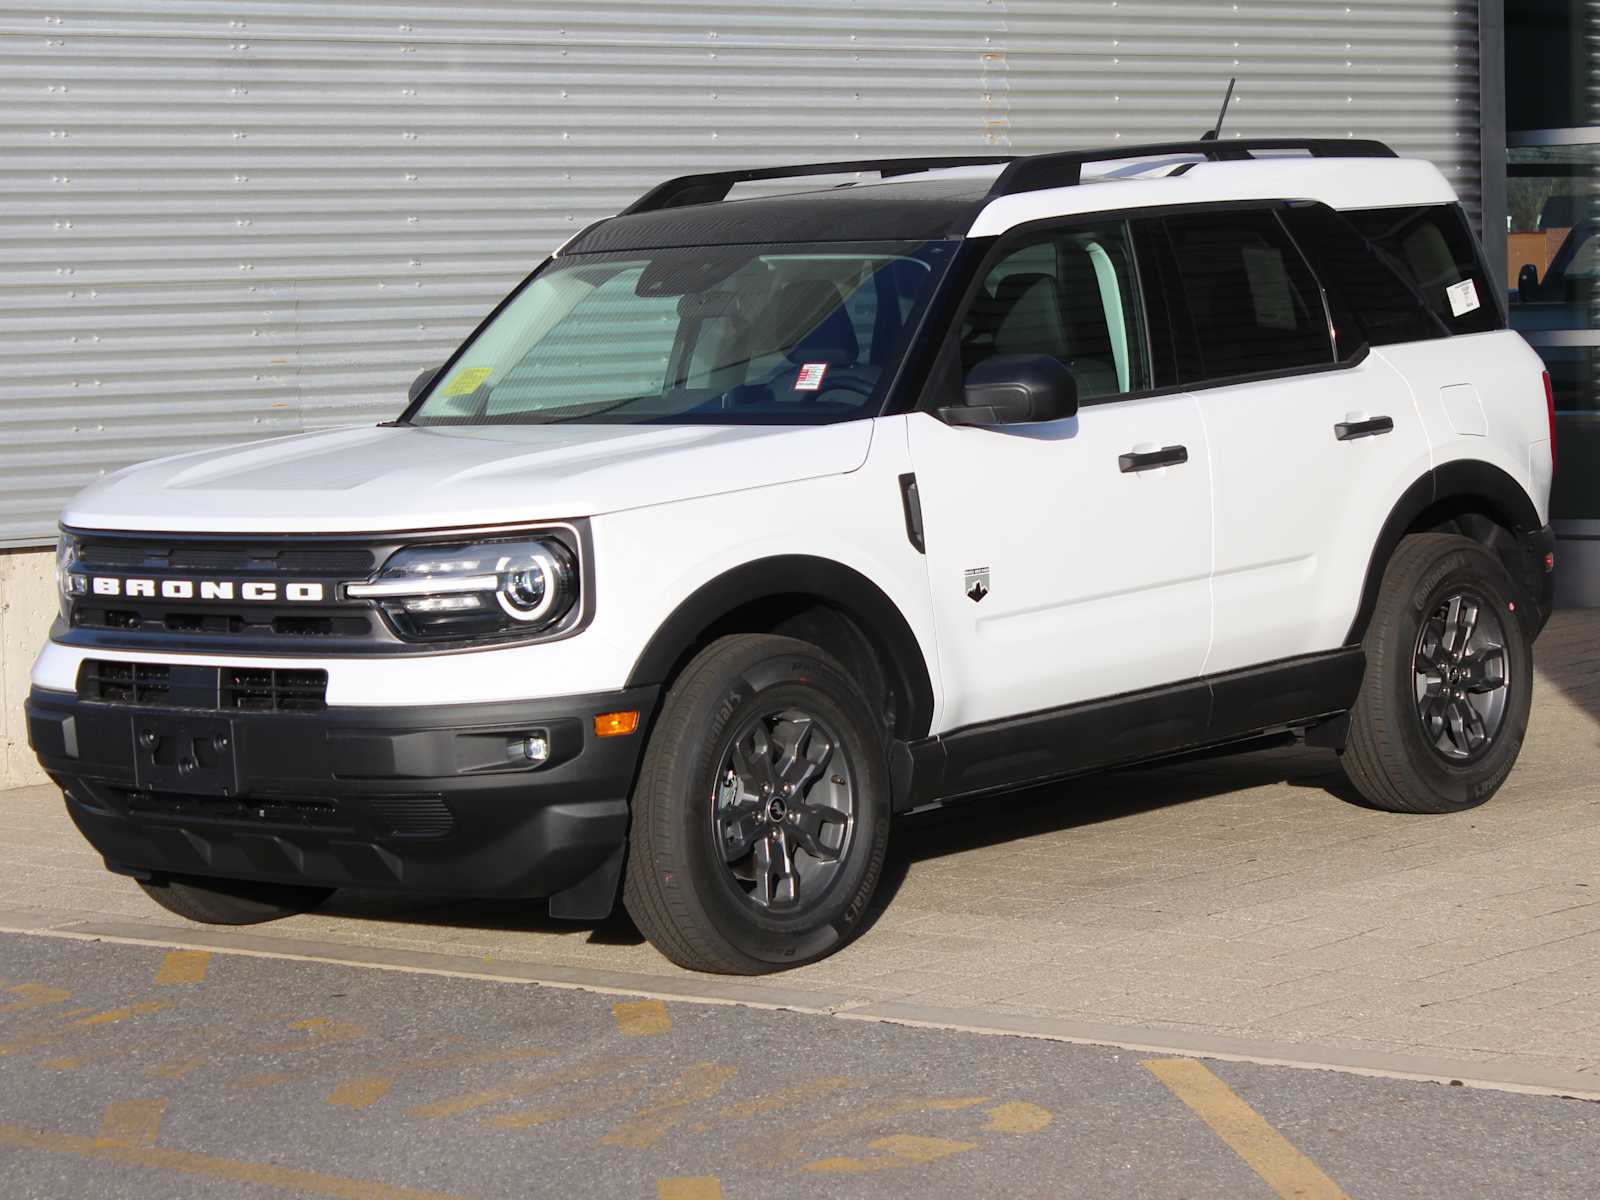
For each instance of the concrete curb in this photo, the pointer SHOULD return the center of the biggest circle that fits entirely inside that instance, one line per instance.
(699, 989)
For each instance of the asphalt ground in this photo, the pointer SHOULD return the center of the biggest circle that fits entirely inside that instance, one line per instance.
(137, 1071)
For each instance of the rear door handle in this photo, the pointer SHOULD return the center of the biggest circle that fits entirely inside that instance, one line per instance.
(1149, 460)
(1347, 431)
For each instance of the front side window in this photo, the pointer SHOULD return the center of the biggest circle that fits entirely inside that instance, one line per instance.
(1254, 303)
(1069, 293)
(781, 334)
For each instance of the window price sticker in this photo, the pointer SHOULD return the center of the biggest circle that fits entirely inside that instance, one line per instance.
(467, 381)
(1463, 297)
(810, 377)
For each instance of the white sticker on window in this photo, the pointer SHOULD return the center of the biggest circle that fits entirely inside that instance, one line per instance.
(1463, 297)
(810, 377)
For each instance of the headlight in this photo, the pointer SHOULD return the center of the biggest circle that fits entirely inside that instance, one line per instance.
(475, 590)
(69, 583)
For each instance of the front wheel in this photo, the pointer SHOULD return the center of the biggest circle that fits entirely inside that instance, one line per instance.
(1449, 683)
(231, 901)
(761, 818)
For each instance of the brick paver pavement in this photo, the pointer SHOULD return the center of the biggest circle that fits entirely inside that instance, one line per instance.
(1245, 896)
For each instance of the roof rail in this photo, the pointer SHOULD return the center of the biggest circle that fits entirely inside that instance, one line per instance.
(1065, 169)
(715, 185)
(1022, 174)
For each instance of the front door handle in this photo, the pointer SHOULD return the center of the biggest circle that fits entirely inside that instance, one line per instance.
(1149, 460)
(1347, 431)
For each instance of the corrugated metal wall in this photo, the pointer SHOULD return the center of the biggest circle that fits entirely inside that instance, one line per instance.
(225, 220)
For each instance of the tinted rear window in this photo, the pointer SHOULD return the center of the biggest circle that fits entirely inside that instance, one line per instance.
(1255, 305)
(1427, 251)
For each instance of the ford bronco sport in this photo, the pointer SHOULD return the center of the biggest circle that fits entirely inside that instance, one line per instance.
(745, 525)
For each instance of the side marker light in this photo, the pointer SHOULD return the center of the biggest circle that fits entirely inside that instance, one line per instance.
(615, 724)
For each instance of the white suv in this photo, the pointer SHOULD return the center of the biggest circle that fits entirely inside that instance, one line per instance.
(742, 526)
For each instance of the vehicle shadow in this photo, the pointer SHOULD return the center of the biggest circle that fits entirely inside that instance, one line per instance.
(971, 825)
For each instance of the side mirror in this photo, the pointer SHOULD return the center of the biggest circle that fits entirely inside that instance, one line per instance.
(420, 383)
(1527, 283)
(1016, 389)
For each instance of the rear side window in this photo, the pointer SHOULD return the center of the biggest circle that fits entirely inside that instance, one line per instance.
(1255, 305)
(1431, 249)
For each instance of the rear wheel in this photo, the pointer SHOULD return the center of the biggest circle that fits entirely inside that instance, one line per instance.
(762, 814)
(231, 901)
(1444, 704)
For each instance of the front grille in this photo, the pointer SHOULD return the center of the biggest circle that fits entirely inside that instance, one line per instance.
(412, 816)
(125, 683)
(223, 617)
(224, 559)
(267, 621)
(273, 689)
(309, 813)
(162, 685)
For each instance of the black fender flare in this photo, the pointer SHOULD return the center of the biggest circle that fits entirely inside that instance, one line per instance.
(800, 575)
(1473, 480)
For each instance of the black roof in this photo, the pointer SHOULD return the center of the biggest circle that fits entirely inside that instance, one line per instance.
(913, 211)
(693, 210)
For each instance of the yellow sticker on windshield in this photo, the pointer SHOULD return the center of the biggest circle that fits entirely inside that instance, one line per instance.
(467, 381)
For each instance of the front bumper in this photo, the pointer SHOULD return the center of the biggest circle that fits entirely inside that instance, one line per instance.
(1541, 547)
(415, 798)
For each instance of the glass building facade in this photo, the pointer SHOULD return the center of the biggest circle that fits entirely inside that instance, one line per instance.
(1552, 249)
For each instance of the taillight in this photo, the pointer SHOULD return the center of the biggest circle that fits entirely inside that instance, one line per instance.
(1550, 407)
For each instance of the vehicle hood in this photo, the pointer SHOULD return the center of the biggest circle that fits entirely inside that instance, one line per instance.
(376, 478)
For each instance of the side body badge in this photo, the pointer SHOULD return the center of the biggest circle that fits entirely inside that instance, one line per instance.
(976, 583)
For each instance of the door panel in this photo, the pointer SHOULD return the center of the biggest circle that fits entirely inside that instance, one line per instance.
(1069, 560)
(1097, 579)
(1298, 508)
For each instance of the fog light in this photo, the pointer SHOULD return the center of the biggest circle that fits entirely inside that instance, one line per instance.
(535, 748)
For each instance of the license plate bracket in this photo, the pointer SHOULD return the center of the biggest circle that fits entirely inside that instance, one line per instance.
(184, 754)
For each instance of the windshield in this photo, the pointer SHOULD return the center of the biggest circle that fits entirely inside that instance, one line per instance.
(787, 334)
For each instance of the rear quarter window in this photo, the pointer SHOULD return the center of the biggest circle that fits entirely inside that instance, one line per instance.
(1406, 274)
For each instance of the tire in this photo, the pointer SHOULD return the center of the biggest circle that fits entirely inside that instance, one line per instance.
(689, 886)
(231, 901)
(1411, 746)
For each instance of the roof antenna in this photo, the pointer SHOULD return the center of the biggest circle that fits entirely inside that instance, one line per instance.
(1213, 134)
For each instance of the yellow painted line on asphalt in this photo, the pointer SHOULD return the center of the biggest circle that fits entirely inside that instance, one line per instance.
(204, 1165)
(183, 966)
(387, 1065)
(359, 1093)
(641, 1018)
(896, 1150)
(176, 1068)
(699, 1083)
(1017, 1116)
(790, 1144)
(131, 1123)
(1265, 1151)
(33, 995)
(689, 1187)
(109, 1017)
(596, 1100)
(115, 1015)
(798, 1094)
(323, 1032)
(466, 1102)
